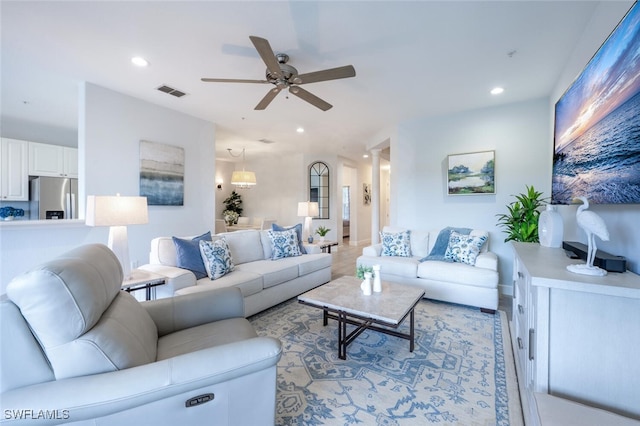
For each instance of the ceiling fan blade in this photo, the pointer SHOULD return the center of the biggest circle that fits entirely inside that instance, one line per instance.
(231, 80)
(266, 53)
(271, 94)
(309, 97)
(324, 75)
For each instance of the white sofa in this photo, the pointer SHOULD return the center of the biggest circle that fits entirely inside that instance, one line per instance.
(454, 282)
(262, 281)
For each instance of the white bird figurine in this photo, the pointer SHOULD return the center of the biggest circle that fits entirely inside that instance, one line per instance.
(593, 226)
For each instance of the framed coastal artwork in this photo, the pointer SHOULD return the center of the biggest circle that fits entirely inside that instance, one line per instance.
(366, 193)
(162, 174)
(471, 173)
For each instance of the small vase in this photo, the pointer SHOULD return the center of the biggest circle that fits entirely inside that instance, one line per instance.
(550, 227)
(310, 239)
(321, 239)
(377, 283)
(366, 284)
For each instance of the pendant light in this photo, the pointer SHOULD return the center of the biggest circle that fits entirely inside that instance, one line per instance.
(242, 179)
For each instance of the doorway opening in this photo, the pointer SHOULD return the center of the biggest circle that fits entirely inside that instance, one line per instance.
(346, 214)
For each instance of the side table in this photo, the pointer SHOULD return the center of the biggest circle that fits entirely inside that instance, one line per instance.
(325, 246)
(142, 280)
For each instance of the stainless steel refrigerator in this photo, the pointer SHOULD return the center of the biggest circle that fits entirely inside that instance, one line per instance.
(53, 198)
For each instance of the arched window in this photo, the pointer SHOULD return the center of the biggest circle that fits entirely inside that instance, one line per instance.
(319, 187)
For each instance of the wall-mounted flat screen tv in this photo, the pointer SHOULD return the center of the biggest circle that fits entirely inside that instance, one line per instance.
(597, 124)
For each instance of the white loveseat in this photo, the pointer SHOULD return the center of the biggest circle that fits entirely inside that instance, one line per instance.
(454, 282)
(262, 281)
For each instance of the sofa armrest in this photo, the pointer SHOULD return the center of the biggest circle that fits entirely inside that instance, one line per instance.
(133, 387)
(175, 278)
(373, 250)
(487, 260)
(190, 310)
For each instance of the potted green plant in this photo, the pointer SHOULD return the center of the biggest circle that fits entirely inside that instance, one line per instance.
(521, 222)
(232, 208)
(322, 231)
(361, 270)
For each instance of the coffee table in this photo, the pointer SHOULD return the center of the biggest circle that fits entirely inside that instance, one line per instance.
(342, 300)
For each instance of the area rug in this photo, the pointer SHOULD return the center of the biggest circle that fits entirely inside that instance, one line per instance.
(461, 371)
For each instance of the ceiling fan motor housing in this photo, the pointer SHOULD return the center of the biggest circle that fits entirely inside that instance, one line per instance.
(287, 73)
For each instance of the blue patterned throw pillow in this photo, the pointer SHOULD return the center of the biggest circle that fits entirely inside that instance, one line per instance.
(396, 244)
(216, 258)
(284, 244)
(464, 248)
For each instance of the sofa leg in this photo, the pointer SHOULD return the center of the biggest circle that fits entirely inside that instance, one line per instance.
(488, 311)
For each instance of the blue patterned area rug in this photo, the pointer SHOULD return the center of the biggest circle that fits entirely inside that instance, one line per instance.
(461, 371)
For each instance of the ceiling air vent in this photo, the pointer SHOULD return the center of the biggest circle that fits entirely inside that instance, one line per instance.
(267, 141)
(170, 90)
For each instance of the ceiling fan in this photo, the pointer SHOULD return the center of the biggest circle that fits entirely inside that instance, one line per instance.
(284, 76)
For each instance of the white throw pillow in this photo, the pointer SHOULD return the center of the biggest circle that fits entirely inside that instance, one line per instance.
(284, 244)
(396, 243)
(216, 257)
(464, 248)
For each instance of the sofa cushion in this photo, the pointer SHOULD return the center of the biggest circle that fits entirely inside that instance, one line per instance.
(419, 240)
(248, 282)
(402, 266)
(188, 254)
(284, 244)
(396, 243)
(245, 246)
(313, 262)
(298, 229)
(464, 248)
(216, 257)
(458, 273)
(273, 273)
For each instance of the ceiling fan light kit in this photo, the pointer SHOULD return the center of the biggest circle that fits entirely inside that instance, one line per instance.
(284, 76)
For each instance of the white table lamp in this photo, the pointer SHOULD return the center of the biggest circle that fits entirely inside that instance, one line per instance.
(117, 212)
(307, 209)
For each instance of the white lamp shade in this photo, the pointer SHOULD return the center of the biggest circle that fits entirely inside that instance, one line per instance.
(242, 177)
(308, 209)
(103, 210)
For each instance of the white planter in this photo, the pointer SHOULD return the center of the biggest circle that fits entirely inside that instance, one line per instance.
(550, 227)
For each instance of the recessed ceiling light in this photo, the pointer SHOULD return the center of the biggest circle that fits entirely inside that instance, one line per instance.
(365, 155)
(497, 90)
(139, 61)
(300, 130)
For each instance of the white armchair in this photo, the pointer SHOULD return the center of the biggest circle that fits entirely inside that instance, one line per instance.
(78, 349)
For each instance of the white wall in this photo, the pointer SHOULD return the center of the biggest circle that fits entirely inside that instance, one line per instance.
(111, 126)
(519, 135)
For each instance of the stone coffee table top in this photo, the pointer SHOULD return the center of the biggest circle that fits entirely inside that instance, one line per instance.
(343, 294)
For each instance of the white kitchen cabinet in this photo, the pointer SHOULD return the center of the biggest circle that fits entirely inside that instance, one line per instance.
(575, 337)
(14, 176)
(52, 160)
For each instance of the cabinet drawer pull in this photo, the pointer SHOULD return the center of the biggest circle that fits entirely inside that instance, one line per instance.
(520, 346)
(532, 334)
(520, 309)
(520, 275)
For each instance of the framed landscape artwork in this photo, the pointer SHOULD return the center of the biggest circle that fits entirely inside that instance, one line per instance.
(161, 174)
(471, 173)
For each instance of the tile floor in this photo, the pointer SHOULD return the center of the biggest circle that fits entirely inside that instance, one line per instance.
(344, 263)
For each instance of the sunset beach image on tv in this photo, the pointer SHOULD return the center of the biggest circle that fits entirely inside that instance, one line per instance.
(597, 124)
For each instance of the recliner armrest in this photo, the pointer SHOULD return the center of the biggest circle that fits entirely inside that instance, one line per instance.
(487, 260)
(190, 310)
(373, 250)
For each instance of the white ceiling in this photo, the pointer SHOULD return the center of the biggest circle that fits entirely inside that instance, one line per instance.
(412, 59)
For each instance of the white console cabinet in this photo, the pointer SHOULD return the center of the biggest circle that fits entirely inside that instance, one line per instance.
(52, 160)
(14, 177)
(575, 337)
